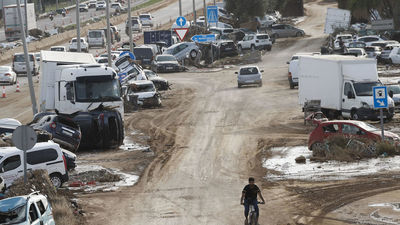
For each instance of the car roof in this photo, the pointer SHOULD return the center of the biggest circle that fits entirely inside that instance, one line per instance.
(5, 151)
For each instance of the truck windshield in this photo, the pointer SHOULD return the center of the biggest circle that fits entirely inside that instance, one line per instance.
(365, 89)
(97, 89)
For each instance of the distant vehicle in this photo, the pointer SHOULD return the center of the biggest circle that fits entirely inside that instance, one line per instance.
(7, 75)
(145, 55)
(58, 48)
(255, 41)
(145, 91)
(222, 25)
(394, 56)
(136, 26)
(19, 65)
(117, 6)
(73, 47)
(384, 57)
(64, 131)
(355, 44)
(8, 125)
(34, 208)
(222, 13)
(96, 38)
(160, 83)
(226, 48)
(265, 21)
(346, 39)
(37, 56)
(359, 52)
(100, 5)
(285, 30)
(370, 39)
(114, 55)
(102, 60)
(394, 93)
(83, 7)
(182, 50)
(383, 44)
(165, 63)
(293, 71)
(373, 51)
(44, 155)
(349, 129)
(221, 31)
(146, 19)
(125, 47)
(10, 20)
(249, 75)
(92, 4)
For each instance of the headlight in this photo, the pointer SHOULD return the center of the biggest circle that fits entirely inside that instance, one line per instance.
(365, 105)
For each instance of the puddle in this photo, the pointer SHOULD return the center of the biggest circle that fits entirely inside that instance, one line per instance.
(283, 162)
(387, 216)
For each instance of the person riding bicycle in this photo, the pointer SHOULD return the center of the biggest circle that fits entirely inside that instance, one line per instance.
(249, 197)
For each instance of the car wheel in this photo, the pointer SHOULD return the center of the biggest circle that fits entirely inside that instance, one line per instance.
(56, 180)
(354, 115)
(253, 48)
(299, 34)
(269, 47)
(193, 54)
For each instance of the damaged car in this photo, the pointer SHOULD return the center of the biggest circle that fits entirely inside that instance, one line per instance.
(144, 91)
(166, 63)
(160, 82)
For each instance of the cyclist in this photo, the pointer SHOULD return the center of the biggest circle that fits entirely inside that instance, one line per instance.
(249, 197)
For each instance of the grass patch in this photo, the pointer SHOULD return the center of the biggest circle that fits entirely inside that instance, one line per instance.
(146, 4)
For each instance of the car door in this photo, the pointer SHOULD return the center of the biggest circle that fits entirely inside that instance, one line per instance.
(34, 217)
(249, 41)
(396, 56)
(330, 130)
(45, 211)
(348, 100)
(181, 53)
(11, 168)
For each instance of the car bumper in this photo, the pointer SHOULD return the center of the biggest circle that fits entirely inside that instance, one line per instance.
(249, 82)
(6, 80)
(166, 69)
(374, 114)
(264, 47)
(148, 101)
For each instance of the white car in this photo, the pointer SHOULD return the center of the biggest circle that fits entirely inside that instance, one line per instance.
(146, 92)
(117, 6)
(222, 25)
(249, 75)
(394, 56)
(100, 5)
(359, 52)
(255, 41)
(44, 155)
(146, 19)
(7, 75)
(346, 38)
(136, 25)
(293, 71)
(265, 21)
(32, 209)
(19, 65)
(387, 50)
(73, 47)
(369, 39)
(58, 48)
(83, 7)
(183, 50)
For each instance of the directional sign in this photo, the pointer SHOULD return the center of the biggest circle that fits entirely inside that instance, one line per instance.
(203, 38)
(181, 21)
(181, 33)
(380, 97)
(131, 55)
(212, 14)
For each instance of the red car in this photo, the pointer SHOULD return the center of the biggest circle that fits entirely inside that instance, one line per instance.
(350, 128)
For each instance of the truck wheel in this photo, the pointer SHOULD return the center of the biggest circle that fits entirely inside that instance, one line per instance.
(354, 115)
(55, 179)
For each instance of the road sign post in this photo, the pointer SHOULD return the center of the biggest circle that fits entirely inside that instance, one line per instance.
(380, 102)
(24, 138)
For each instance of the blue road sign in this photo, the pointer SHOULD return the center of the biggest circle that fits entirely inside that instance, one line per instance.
(129, 53)
(380, 97)
(212, 14)
(181, 21)
(203, 38)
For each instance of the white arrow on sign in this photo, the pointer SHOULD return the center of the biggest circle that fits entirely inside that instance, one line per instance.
(381, 103)
(180, 21)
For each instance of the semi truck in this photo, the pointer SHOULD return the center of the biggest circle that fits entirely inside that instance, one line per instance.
(74, 85)
(12, 23)
(342, 84)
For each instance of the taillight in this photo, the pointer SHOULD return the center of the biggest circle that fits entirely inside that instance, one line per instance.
(65, 162)
(7, 74)
(53, 125)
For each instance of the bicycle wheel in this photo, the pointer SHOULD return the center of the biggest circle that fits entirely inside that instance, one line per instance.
(253, 219)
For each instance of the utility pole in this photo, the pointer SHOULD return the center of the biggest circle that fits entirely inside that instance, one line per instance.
(57, 4)
(26, 19)
(194, 11)
(214, 2)
(78, 28)
(28, 67)
(180, 7)
(108, 32)
(205, 13)
(130, 26)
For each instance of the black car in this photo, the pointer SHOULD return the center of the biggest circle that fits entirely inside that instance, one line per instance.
(226, 48)
(160, 82)
(166, 63)
(145, 55)
(64, 131)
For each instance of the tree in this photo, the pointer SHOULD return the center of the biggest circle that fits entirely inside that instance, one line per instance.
(244, 11)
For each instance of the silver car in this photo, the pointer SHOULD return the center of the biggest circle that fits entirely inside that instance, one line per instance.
(285, 30)
(249, 75)
(7, 75)
(183, 50)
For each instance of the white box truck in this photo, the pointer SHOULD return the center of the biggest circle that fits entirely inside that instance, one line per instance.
(74, 85)
(343, 84)
(11, 21)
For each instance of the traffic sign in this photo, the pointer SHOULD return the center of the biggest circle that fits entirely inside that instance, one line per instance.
(24, 137)
(212, 14)
(203, 38)
(131, 55)
(181, 21)
(380, 97)
(181, 33)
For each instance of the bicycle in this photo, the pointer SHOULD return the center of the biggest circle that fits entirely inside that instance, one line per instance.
(253, 215)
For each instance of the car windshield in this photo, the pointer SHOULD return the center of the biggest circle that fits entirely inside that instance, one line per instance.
(144, 17)
(248, 71)
(97, 89)
(95, 34)
(262, 37)
(143, 52)
(59, 49)
(145, 88)
(367, 127)
(15, 216)
(356, 45)
(82, 5)
(164, 58)
(365, 89)
(4, 69)
(74, 40)
(103, 60)
(394, 88)
(150, 74)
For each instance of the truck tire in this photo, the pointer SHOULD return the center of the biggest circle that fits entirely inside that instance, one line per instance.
(55, 179)
(354, 115)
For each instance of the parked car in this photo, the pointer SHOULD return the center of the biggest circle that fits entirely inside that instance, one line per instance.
(102, 60)
(34, 208)
(249, 75)
(116, 6)
(83, 7)
(92, 4)
(114, 31)
(73, 45)
(347, 128)
(346, 39)
(64, 131)
(265, 21)
(8, 125)
(146, 19)
(394, 56)
(44, 155)
(125, 47)
(370, 39)
(145, 55)
(19, 65)
(58, 48)
(220, 31)
(385, 54)
(226, 48)
(222, 25)
(70, 159)
(373, 51)
(183, 50)
(285, 30)
(356, 44)
(7, 75)
(145, 92)
(255, 41)
(165, 63)
(136, 25)
(37, 57)
(96, 38)
(159, 82)
(293, 71)
(359, 52)
(100, 5)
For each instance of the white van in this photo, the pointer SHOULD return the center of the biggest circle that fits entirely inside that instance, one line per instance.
(96, 38)
(293, 73)
(46, 156)
(19, 65)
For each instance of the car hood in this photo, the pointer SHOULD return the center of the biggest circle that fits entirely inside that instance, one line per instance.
(142, 95)
(167, 62)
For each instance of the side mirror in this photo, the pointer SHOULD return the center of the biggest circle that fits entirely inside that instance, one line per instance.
(236, 73)
(391, 93)
(288, 62)
(262, 71)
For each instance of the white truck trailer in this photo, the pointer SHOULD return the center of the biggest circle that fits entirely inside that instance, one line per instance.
(343, 84)
(74, 85)
(12, 23)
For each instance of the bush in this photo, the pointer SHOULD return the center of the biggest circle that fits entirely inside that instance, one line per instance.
(386, 148)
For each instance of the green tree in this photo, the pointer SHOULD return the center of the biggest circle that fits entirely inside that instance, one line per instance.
(244, 11)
